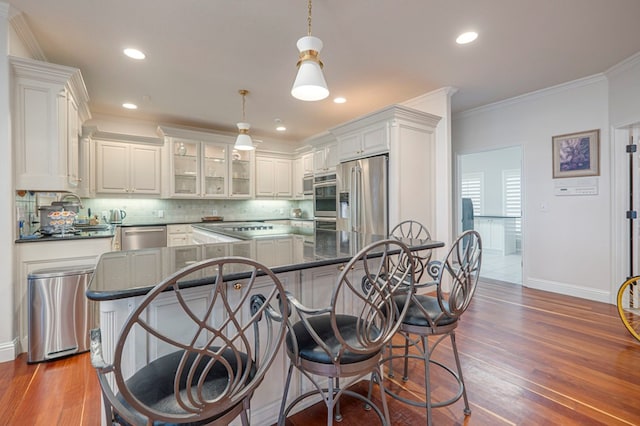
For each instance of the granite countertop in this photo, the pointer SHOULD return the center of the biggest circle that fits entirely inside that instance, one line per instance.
(81, 235)
(133, 273)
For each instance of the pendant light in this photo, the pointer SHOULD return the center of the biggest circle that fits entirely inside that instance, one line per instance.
(310, 84)
(243, 141)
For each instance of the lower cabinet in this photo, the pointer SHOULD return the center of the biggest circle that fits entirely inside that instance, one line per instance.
(179, 235)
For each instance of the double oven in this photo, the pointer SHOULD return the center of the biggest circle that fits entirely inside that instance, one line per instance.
(325, 204)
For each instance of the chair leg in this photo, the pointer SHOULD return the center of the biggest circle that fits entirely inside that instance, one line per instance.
(244, 416)
(330, 403)
(338, 414)
(467, 410)
(427, 376)
(390, 373)
(383, 394)
(405, 377)
(283, 404)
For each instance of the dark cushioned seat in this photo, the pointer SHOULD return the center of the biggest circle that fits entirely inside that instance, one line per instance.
(415, 316)
(153, 384)
(311, 351)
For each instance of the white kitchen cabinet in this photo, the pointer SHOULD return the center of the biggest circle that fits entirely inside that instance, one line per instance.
(273, 177)
(49, 105)
(179, 235)
(302, 166)
(275, 251)
(199, 169)
(205, 165)
(126, 168)
(364, 142)
(307, 163)
(325, 158)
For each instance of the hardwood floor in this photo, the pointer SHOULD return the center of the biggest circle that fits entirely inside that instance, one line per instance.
(529, 358)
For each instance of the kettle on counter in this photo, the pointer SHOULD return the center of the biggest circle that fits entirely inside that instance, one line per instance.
(117, 216)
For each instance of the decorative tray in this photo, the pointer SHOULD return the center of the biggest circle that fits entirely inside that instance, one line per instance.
(212, 219)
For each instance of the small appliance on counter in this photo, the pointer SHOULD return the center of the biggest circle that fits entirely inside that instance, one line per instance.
(117, 216)
(296, 213)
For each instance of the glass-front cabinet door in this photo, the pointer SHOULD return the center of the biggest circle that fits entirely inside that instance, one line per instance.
(186, 164)
(241, 174)
(214, 170)
(208, 169)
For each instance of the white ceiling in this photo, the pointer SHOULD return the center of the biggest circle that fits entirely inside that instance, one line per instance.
(377, 52)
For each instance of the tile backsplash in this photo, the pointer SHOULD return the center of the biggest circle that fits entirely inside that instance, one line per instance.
(164, 210)
(159, 210)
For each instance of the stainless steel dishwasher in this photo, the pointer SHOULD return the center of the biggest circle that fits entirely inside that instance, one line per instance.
(139, 237)
(60, 315)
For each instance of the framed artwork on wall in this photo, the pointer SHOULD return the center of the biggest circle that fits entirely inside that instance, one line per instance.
(576, 154)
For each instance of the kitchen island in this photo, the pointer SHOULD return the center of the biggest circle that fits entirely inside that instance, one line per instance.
(308, 265)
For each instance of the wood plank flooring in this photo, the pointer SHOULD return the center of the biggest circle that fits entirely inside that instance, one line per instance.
(529, 358)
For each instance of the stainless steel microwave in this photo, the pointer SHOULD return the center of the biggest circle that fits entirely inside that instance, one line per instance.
(307, 185)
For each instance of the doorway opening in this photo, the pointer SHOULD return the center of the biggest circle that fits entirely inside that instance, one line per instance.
(490, 189)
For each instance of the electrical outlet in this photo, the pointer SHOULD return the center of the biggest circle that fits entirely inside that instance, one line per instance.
(214, 212)
(160, 213)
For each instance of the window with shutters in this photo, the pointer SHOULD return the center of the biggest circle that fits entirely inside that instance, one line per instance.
(512, 203)
(473, 187)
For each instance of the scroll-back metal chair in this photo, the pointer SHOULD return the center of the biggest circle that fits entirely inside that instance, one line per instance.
(422, 263)
(438, 315)
(417, 231)
(331, 343)
(204, 372)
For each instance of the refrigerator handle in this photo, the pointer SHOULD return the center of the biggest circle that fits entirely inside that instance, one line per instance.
(354, 200)
(357, 223)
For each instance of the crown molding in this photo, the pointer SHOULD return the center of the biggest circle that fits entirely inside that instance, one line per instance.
(94, 133)
(624, 65)
(22, 29)
(586, 81)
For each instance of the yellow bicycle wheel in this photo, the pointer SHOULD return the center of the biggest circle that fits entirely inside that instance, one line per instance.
(629, 305)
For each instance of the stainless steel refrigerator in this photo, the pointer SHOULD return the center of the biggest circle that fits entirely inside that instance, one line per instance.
(362, 187)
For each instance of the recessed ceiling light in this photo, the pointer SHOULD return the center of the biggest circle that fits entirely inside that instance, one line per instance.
(279, 126)
(129, 105)
(339, 100)
(467, 37)
(134, 53)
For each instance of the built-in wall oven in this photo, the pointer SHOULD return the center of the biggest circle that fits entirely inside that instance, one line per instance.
(325, 204)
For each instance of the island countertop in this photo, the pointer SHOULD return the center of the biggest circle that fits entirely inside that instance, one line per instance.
(133, 273)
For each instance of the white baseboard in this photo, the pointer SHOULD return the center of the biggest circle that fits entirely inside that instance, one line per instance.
(8, 350)
(569, 290)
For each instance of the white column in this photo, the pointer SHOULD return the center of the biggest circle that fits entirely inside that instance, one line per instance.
(8, 339)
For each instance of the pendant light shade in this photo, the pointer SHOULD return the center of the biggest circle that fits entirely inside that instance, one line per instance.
(309, 84)
(243, 141)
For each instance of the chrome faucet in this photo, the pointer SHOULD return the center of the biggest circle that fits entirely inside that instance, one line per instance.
(73, 195)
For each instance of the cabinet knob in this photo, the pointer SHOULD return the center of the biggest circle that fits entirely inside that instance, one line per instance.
(237, 286)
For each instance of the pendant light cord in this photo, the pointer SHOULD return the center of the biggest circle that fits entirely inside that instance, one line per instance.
(309, 20)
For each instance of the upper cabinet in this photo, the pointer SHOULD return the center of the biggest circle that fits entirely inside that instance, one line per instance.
(362, 142)
(325, 153)
(205, 165)
(49, 105)
(127, 168)
(273, 177)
